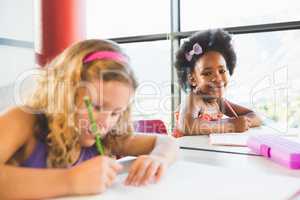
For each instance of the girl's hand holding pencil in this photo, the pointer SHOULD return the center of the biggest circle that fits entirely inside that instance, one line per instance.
(240, 124)
(97, 174)
(143, 170)
(93, 176)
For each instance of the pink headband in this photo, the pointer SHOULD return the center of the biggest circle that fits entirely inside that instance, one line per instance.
(111, 55)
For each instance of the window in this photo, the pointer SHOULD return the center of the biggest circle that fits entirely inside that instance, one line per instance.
(267, 61)
(197, 15)
(151, 64)
(267, 76)
(110, 19)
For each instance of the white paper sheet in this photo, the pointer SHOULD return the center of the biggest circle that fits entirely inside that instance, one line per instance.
(238, 139)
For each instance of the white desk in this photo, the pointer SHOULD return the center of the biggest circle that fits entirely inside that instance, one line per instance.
(229, 156)
(211, 174)
(186, 180)
(241, 163)
(202, 142)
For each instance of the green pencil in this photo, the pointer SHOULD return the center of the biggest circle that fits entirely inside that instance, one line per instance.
(94, 127)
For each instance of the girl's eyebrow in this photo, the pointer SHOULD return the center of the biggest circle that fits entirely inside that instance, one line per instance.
(119, 109)
(104, 105)
(206, 68)
(209, 68)
(108, 105)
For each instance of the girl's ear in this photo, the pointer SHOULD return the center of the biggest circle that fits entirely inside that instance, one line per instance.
(192, 80)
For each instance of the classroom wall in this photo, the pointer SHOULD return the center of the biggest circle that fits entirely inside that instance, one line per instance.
(16, 19)
(16, 22)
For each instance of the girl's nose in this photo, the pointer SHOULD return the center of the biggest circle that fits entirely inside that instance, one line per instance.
(103, 120)
(217, 78)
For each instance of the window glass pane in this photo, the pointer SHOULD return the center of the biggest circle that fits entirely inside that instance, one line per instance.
(16, 19)
(109, 19)
(267, 76)
(197, 15)
(151, 64)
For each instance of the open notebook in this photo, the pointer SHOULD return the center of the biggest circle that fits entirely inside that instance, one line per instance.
(239, 139)
(229, 139)
(187, 180)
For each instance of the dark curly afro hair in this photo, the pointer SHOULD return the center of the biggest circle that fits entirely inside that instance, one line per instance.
(209, 40)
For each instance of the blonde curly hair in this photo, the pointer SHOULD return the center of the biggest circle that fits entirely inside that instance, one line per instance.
(55, 100)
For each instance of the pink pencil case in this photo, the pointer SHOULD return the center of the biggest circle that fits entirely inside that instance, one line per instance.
(276, 148)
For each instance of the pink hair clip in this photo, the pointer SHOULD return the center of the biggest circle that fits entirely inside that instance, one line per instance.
(197, 50)
(99, 55)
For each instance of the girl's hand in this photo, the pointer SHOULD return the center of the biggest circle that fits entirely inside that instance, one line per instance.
(145, 169)
(93, 176)
(241, 124)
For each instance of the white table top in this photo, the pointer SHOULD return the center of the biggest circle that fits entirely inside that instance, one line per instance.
(212, 173)
(243, 163)
(187, 180)
(230, 156)
(202, 142)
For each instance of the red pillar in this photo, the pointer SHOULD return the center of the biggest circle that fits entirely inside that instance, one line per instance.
(58, 23)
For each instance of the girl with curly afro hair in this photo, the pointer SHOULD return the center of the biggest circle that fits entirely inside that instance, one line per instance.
(204, 64)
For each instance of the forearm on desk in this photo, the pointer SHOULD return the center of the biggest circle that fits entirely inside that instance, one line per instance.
(29, 183)
(166, 147)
